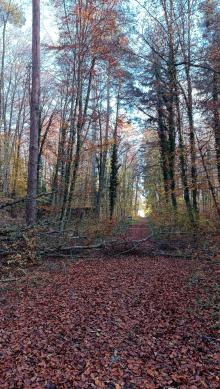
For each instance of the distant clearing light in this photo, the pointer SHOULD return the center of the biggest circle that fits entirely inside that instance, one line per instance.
(141, 213)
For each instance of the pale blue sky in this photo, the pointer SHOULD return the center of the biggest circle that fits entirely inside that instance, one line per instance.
(48, 25)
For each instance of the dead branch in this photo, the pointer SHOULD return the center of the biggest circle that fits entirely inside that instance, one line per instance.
(135, 243)
(173, 255)
(103, 245)
(4, 253)
(10, 279)
(142, 240)
(92, 247)
(23, 199)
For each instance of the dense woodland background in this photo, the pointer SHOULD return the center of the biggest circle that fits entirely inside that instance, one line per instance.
(128, 113)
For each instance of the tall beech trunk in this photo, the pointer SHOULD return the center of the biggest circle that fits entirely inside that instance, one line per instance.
(58, 178)
(182, 158)
(5, 21)
(114, 164)
(186, 46)
(41, 149)
(162, 132)
(171, 134)
(103, 152)
(192, 143)
(67, 168)
(31, 208)
(74, 163)
(216, 121)
(2, 70)
(20, 123)
(168, 13)
(172, 149)
(76, 160)
(8, 137)
(164, 158)
(94, 168)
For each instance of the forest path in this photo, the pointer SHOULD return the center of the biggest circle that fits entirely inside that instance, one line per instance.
(138, 229)
(111, 323)
(136, 240)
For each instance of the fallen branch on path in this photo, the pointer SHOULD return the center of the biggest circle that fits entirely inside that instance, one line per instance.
(135, 244)
(173, 255)
(92, 247)
(142, 240)
(103, 245)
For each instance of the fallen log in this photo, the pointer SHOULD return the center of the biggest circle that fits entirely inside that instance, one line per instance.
(103, 245)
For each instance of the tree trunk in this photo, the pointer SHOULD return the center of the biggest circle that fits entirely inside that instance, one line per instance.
(192, 144)
(182, 159)
(104, 152)
(168, 13)
(31, 209)
(211, 188)
(216, 121)
(114, 164)
(162, 132)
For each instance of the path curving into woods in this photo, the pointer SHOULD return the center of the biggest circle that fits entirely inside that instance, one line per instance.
(134, 322)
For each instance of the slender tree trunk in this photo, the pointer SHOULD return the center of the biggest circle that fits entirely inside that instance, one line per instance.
(172, 137)
(211, 188)
(31, 209)
(2, 105)
(104, 152)
(8, 143)
(82, 114)
(162, 132)
(2, 68)
(187, 56)
(168, 12)
(16, 167)
(182, 159)
(41, 148)
(172, 148)
(216, 121)
(192, 146)
(58, 180)
(68, 168)
(94, 168)
(114, 164)
(136, 190)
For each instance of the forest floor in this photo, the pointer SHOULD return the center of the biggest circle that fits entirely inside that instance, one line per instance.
(114, 322)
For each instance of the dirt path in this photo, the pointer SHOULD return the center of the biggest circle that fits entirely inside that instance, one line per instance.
(139, 230)
(128, 323)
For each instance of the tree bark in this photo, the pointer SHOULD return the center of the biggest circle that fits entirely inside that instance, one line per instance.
(114, 164)
(216, 121)
(31, 209)
(104, 151)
